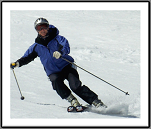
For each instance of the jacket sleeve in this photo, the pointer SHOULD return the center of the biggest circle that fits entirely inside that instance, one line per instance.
(29, 56)
(64, 47)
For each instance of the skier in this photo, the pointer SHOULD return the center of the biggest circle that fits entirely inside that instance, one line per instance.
(50, 47)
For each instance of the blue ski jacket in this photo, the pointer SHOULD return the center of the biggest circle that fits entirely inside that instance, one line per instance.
(44, 48)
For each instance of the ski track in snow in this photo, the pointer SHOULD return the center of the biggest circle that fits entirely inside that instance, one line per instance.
(108, 47)
(120, 110)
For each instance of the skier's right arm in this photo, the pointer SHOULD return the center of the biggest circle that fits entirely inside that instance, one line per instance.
(29, 56)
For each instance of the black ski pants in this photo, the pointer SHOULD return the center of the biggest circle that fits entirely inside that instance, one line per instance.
(75, 84)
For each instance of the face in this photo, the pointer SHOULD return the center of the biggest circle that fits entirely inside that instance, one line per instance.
(42, 29)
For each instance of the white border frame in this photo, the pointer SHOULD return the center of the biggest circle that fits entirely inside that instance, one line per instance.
(8, 6)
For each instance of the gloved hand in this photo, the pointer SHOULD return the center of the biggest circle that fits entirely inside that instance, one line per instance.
(14, 65)
(56, 54)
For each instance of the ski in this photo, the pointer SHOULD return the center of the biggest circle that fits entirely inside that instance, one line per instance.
(86, 108)
(77, 108)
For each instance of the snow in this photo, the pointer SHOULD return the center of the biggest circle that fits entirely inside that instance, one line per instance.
(106, 43)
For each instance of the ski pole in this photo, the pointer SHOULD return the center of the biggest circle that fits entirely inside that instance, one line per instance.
(22, 97)
(95, 76)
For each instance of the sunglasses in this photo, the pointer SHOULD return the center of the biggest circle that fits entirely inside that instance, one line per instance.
(40, 27)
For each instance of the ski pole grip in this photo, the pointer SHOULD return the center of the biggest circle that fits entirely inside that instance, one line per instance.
(13, 64)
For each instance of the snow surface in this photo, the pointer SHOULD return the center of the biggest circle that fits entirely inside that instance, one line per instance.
(106, 43)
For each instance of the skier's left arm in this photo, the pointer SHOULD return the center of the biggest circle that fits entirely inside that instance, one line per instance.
(63, 47)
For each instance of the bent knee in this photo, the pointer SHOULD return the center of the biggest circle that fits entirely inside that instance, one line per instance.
(53, 77)
(75, 86)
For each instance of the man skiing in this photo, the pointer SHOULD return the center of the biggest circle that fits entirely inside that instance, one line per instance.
(49, 46)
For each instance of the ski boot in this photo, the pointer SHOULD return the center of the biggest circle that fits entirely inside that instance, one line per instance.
(75, 105)
(98, 103)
